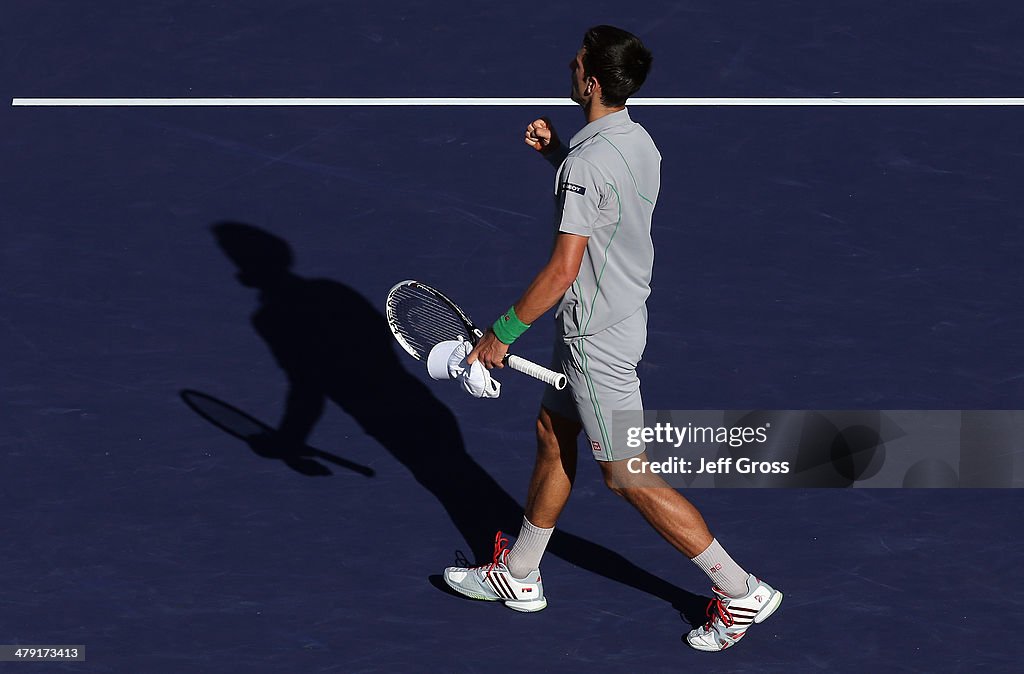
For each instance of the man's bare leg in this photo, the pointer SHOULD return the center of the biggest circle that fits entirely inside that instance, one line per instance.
(664, 508)
(678, 522)
(554, 471)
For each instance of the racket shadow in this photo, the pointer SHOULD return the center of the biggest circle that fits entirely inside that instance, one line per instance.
(263, 439)
(335, 346)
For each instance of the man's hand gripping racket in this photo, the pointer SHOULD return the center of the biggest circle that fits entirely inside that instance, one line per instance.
(421, 317)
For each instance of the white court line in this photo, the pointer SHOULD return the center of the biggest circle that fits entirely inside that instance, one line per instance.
(416, 102)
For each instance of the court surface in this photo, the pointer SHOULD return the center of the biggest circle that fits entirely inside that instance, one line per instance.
(807, 258)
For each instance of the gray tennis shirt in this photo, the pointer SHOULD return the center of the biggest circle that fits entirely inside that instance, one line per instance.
(605, 189)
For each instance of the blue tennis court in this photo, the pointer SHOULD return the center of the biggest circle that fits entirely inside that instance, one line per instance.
(807, 258)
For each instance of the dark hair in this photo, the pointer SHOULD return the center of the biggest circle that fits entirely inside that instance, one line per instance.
(619, 61)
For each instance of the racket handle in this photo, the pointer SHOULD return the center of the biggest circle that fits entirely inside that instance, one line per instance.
(556, 379)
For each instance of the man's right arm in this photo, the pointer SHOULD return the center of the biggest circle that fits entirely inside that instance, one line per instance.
(557, 156)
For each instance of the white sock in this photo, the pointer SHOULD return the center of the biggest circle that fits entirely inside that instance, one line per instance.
(529, 547)
(726, 574)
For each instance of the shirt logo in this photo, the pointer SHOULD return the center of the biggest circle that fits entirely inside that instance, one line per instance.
(570, 187)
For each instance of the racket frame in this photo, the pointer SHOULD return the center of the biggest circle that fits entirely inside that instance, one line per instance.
(518, 363)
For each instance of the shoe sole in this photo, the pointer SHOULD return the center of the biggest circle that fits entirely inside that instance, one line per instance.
(527, 606)
(520, 606)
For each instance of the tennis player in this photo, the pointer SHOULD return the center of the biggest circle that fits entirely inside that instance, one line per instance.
(599, 274)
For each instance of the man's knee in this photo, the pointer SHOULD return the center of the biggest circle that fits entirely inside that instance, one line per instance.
(615, 487)
(613, 477)
(556, 435)
(624, 482)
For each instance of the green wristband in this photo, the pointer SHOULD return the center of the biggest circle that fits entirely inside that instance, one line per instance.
(508, 328)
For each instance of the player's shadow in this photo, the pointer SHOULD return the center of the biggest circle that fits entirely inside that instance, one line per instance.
(335, 345)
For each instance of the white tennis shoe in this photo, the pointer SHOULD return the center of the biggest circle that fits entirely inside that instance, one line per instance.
(493, 582)
(729, 617)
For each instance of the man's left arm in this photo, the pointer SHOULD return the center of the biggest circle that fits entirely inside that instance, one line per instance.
(544, 292)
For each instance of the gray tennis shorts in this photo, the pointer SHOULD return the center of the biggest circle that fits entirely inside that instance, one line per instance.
(601, 370)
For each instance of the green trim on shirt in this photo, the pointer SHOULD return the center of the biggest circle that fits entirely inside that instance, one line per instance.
(635, 184)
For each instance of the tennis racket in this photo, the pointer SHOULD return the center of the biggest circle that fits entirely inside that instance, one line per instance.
(421, 317)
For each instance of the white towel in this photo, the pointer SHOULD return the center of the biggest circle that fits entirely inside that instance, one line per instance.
(447, 360)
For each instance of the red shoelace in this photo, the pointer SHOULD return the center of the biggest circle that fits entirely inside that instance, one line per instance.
(717, 609)
(500, 545)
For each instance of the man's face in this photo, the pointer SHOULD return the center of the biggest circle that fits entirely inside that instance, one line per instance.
(579, 84)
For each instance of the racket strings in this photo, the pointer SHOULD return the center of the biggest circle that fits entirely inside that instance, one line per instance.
(424, 320)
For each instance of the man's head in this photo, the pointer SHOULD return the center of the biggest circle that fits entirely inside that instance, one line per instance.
(611, 63)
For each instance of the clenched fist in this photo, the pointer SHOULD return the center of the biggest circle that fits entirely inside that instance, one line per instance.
(541, 136)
